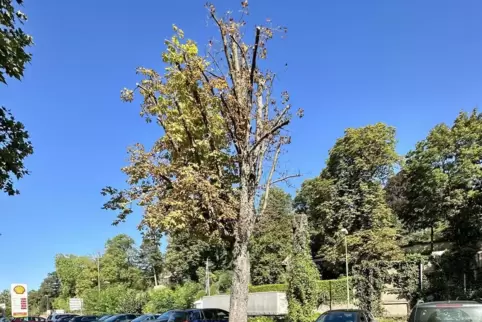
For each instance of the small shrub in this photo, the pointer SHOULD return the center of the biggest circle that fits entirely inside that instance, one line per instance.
(261, 319)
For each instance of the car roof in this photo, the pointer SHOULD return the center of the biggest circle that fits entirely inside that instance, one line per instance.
(439, 303)
(345, 310)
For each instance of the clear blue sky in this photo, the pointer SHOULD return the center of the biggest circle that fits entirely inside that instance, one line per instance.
(410, 63)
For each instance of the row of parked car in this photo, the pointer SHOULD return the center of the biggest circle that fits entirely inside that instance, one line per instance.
(191, 315)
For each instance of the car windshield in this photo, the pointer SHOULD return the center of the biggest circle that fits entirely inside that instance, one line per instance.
(105, 317)
(142, 318)
(341, 316)
(112, 318)
(165, 314)
(215, 314)
(449, 312)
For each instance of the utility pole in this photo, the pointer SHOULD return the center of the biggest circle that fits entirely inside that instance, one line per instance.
(208, 287)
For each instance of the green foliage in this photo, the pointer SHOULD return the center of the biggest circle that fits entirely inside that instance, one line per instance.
(186, 254)
(5, 298)
(114, 299)
(48, 291)
(15, 146)
(61, 303)
(261, 319)
(268, 288)
(14, 41)
(328, 290)
(271, 240)
(118, 264)
(150, 259)
(77, 273)
(220, 281)
(369, 281)
(302, 293)
(442, 180)
(349, 194)
(406, 278)
(165, 299)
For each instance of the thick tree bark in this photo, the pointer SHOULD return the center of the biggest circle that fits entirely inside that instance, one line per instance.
(431, 239)
(238, 308)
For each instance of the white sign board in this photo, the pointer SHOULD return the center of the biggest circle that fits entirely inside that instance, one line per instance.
(75, 304)
(18, 293)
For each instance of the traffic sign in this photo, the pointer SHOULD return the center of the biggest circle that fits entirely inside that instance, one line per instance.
(76, 304)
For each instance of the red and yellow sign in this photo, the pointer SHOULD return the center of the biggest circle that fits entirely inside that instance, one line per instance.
(19, 289)
(19, 295)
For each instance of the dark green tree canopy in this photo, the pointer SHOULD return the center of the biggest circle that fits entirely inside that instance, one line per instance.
(349, 194)
(13, 41)
(14, 140)
(272, 239)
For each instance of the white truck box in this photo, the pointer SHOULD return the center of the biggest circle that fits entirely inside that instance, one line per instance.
(262, 303)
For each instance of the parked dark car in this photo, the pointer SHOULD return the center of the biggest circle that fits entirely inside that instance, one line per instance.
(446, 311)
(121, 318)
(66, 318)
(84, 318)
(194, 315)
(29, 319)
(171, 316)
(212, 315)
(346, 316)
(56, 317)
(104, 317)
(146, 317)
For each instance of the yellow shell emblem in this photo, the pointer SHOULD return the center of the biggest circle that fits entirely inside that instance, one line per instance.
(19, 289)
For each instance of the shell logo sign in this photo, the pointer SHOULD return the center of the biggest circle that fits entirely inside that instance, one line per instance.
(19, 289)
(19, 295)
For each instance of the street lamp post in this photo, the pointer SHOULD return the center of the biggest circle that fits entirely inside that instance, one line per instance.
(345, 233)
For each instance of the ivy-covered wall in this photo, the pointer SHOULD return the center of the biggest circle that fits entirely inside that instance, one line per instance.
(338, 290)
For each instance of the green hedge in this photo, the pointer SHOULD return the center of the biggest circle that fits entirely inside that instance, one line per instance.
(338, 290)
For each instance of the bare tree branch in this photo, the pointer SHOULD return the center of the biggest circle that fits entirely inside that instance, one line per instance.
(285, 178)
(255, 54)
(226, 50)
(268, 133)
(270, 177)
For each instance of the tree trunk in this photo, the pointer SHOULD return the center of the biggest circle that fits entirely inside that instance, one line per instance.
(238, 307)
(155, 276)
(431, 239)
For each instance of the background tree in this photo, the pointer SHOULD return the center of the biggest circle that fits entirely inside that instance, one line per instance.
(349, 194)
(118, 264)
(150, 256)
(424, 183)
(185, 255)
(5, 298)
(49, 290)
(442, 180)
(77, 273)
(272, 238)
(14, 140)
(222, 126)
